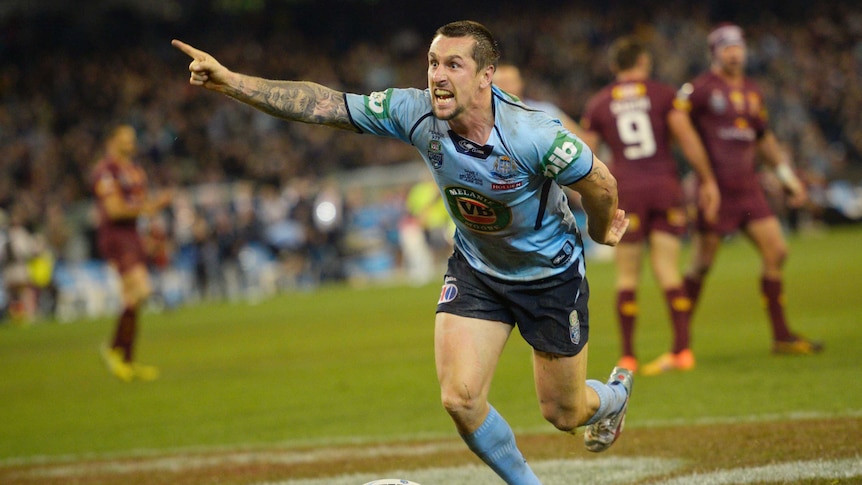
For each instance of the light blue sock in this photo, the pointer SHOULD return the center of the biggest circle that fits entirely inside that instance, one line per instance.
(611, 399)
(494, 443)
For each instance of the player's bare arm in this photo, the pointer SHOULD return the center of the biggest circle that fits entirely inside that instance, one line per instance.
(774, 155)
(606, 223)
(301, 101)
(689, 141)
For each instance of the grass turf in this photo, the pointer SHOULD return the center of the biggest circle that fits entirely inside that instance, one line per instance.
(343, 364)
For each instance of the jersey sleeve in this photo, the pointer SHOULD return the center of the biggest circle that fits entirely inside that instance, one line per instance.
(390, 113)
(683, 100)
(568, 159)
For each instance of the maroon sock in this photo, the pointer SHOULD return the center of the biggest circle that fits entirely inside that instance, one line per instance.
(692, 286)
(679, 307)
(773, 299)
(124, 336)
(627, 312)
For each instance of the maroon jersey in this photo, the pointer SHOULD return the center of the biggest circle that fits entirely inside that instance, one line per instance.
(118, 239)
(631, 118)
(125, 179)
(730, 120)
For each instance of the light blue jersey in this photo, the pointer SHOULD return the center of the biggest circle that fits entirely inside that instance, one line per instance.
(512, 218)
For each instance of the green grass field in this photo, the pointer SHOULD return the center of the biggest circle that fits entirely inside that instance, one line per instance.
(341, 365)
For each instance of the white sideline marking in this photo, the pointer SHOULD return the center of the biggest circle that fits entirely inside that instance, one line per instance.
(614, 470)
(779, 473)
(359, 440)
(191, 462)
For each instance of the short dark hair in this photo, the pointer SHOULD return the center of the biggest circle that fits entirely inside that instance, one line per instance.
(486, 52)
(624, 53)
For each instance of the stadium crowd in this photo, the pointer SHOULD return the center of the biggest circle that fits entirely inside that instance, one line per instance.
(249, 181)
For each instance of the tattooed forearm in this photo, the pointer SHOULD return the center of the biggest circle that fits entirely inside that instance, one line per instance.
(305, 102)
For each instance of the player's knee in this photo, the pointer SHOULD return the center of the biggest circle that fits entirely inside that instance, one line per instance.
(460, 404)
(563, 418)
(698, 271)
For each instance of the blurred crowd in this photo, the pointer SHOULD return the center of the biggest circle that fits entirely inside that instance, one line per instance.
(247, 180)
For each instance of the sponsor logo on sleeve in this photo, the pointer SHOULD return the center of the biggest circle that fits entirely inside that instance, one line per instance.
(565, 150)
(377, 104)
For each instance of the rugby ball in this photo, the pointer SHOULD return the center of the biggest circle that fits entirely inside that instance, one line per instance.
(391, 481)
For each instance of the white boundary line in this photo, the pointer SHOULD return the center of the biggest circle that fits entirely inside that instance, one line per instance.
(616, 470)
(393, 440)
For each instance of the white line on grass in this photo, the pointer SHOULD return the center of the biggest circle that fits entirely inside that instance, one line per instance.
(777, 473)
(616, 470)
(359, 440)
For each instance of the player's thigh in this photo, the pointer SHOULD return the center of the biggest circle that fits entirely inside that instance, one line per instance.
(627, 257)
(664, 256)
(466, 352)
(136, 283)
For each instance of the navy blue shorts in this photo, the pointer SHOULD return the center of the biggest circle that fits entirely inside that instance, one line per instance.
(550, 313)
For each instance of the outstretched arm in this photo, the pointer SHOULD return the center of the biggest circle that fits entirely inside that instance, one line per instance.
(606, 223)
(301, 101)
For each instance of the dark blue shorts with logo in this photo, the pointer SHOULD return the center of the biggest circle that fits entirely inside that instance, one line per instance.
(551, 313)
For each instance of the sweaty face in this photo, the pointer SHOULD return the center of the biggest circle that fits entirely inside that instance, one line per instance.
(452, 76)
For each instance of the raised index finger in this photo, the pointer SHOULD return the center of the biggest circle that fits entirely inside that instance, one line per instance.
(190, 51)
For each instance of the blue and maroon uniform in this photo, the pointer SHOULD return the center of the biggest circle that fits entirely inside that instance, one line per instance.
(631, 118)
(118, 240)
(730, 121)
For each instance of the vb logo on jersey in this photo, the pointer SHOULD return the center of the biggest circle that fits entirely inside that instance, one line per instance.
(476, 211)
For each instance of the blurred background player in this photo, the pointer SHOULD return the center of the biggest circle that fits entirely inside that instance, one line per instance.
(635, 117)
(728, 112)
(426, 232)
(120, 187)
(508, 78)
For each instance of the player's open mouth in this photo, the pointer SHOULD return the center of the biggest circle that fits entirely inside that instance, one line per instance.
(443, 96)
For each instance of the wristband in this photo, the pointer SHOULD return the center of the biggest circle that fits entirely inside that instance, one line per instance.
(787, 177)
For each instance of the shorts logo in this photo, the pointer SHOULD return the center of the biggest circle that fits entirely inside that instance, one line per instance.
(448, 293)
(574, 327)
(476, 211)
